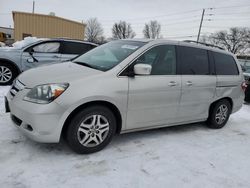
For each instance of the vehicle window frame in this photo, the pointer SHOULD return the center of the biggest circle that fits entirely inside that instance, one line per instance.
(129, 72)
(28, 49)
(65, 43)
(235, 64)
(210, 70)
(211, 63)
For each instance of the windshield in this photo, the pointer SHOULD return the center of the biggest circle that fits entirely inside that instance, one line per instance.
(107, 56)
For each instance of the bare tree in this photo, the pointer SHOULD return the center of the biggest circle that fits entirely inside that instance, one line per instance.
(122, 30)
(236, 40)
(152, 30)
(94, 31)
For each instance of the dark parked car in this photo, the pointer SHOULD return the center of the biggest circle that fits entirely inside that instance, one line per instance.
(34, 52)
(247, 94)
(247, 85)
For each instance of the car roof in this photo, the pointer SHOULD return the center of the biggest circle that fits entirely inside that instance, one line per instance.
(69, 40)
(181, 43)
(139, 40)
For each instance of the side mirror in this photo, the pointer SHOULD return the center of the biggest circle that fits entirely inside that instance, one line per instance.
(30, 60)
(142, 69)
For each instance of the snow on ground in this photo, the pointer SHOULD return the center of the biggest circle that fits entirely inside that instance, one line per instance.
(183, 156)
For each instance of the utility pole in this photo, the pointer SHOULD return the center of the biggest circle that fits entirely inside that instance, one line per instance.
(202, 16)
(33, 9)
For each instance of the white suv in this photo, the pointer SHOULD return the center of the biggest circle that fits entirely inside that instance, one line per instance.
(125, 86)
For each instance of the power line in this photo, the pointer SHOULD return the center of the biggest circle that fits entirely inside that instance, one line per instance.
(157, 16)
(236, 13)
(187, 36)
(168, 24)
(171, 23)
(235, 6)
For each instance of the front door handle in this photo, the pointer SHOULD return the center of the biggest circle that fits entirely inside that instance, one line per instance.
(172, 83)
(56, 56)
(189, 83)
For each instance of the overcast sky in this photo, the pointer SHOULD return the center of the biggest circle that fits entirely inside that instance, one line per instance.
(179, 18)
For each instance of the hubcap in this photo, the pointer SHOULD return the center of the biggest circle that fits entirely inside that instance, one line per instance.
(93, 130)
(5, 74)
(221, 114)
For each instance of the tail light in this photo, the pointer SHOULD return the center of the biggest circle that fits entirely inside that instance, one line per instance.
(244, 86)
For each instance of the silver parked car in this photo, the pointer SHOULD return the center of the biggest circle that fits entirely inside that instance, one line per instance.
(33, 52)
(125, 86)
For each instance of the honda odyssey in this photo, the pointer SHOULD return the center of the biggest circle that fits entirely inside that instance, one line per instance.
(124, 86)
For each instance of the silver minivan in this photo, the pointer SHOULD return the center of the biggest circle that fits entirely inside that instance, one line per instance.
(125, 86)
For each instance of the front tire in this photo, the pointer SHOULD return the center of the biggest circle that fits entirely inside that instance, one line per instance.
(7, 73)
(219, 114)
(91, 129)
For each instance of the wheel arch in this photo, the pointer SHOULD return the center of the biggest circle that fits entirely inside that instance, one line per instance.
(12, 63)
(224, 98)
(107, 104)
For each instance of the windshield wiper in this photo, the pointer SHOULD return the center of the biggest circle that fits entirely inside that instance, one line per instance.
(84, 64)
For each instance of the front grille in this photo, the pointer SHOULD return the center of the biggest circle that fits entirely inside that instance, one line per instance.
(16, 87)
(16, 120)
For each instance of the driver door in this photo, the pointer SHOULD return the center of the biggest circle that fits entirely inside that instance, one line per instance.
(41, 54)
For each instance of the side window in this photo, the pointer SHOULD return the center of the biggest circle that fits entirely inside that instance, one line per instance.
(48, 47)
(161, 58)
(194, 61)
(225, 64)
(76, 47)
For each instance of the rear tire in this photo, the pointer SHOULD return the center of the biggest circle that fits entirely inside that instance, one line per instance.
(91, 129)
(7, 73)
(219, 114)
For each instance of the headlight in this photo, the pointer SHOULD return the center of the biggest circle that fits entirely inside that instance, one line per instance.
(44, 94)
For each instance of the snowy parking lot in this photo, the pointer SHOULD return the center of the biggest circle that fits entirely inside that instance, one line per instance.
(183, 156)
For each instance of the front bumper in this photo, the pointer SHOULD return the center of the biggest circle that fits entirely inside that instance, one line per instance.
(39, 122)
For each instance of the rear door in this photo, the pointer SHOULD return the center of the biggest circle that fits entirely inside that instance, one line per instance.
(198, 83)
(229, 79)
(71, 49)
(41, 54)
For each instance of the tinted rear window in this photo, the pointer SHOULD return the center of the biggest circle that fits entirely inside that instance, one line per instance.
(76, 48)
(225, 64)
(194, 61)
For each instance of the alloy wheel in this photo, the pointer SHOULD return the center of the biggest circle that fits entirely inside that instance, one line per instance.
(5, 74)
(221, 114)
(93, 130)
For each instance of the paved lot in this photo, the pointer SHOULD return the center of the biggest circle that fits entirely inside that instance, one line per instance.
(183, 156)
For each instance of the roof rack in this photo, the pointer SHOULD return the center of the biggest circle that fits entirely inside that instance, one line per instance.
(205, 44)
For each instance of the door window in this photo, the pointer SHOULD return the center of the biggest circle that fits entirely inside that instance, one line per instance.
(48, 47)
(161, 58)
(76, 47)
(194, 61)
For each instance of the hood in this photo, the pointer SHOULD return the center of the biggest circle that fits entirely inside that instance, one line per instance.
(6, 49)
(56, 73)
